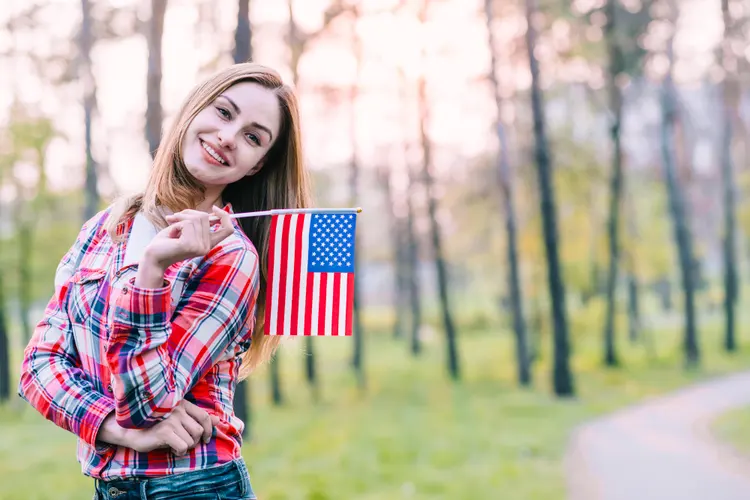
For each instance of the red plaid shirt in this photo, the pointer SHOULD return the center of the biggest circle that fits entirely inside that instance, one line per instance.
(106, 345)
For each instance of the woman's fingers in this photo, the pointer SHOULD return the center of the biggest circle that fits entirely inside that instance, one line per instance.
(201, 417)
(178, 440)
(224, 230)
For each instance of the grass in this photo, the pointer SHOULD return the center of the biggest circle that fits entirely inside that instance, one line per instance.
(734, 428)
(413, 434)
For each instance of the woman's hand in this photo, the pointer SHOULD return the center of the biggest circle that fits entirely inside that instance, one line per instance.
(181, 431)
(188, 235)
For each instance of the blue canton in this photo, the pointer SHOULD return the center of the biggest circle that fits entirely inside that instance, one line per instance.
(331, 243)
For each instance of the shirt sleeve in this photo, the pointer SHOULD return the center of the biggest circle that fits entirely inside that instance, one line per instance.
(52, 380)
(156, 354)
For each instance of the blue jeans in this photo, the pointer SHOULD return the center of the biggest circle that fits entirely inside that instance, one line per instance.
(230, 481)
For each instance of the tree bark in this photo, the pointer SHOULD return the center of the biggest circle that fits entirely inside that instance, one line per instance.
(730, 98)
(562, 377)
(357, 355)
(153, 77)
(616, 66)
(437, 247)
(243, 52)
(243, 40)
(89, 108)
(682, 236)
(4, 347)
(506, 186)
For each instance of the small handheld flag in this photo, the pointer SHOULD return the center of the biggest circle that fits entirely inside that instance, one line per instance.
(310, 288)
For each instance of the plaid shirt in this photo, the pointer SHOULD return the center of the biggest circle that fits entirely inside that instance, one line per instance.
(106, 345)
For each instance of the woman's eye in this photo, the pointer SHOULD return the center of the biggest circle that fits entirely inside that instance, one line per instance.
(253, 138)
(223, 112)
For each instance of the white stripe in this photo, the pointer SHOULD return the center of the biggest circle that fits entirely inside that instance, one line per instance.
(275, 273)
(329, 303)
(303, 276)
(315, 304)
(342, 304)
(289, 276)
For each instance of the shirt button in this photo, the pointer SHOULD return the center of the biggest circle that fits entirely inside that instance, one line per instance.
(124, 291)
(109, 388)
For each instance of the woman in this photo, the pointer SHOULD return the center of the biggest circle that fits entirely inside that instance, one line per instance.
(153, 320)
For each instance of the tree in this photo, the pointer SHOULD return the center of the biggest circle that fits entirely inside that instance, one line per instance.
(616, 67)
(506, 186)
(682, 236)
(437, 247)
(86, 40)
(412, 243)
(562, 377)
(357, 354)
(243, 52)
(153, 76)
(730, 96)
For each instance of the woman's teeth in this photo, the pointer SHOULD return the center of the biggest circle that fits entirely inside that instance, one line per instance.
(213, 153)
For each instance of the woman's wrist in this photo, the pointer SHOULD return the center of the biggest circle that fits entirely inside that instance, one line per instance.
(150, 274)
(110, 432)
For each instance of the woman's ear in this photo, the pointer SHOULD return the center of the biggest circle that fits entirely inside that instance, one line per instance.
(255, 169)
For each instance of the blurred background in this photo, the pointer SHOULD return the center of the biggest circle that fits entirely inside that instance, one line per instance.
(555, 219)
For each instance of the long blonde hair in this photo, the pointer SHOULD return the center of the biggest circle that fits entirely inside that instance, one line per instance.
(281, 183)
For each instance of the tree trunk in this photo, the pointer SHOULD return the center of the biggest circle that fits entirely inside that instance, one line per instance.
(242, 53)
(89, 108)
(277, 397)
(243, 40)
(634, 316)
(296, 47)
(357, 355)
(437, 247)
(399, 276)
(153, 77)
(25, 246)
(412, 243)
(562, 377)
(4, 348)
(682, 236)
(730, 98)
(506, 186)
(616, 66)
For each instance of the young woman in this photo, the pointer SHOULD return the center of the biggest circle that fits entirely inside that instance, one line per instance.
(158, 308)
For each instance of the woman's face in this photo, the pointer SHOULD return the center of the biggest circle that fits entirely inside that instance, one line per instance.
(230, 137)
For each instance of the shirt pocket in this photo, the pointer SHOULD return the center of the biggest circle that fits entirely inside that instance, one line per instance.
(87, 299)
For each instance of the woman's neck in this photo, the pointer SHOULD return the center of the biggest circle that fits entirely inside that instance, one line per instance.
(208, 202)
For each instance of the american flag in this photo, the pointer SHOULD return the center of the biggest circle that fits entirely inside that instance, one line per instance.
(310, 287)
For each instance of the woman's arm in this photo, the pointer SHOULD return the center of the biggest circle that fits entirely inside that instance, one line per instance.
(52, 380)
(156, 353)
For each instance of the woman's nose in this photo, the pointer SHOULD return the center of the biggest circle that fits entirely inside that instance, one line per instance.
(226, 140)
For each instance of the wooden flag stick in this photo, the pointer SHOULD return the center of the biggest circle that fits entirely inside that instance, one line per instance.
(298, 211)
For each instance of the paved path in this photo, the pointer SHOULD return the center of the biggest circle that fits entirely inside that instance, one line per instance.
(662, 449)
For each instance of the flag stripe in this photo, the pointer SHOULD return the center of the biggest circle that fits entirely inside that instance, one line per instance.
(272, 285)
(322, 305)
(335, 304)
(349, 302)
(315, 305)
(302, 310)
(341, 313)
(328, 294)
(281, 305)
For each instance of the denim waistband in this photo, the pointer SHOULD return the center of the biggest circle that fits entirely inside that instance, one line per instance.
(233, 473)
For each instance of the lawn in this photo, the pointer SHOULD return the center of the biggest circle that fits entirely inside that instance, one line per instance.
(413, 434)
(734, 428)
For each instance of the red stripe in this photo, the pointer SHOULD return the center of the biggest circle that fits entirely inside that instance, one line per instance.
(282, 272)
(335, 308)
(308, 304)
(349, 302)
(297, 265)
(322, 304)
(270, 273)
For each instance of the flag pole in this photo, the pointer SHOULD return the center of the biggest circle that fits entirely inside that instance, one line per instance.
(297, 211)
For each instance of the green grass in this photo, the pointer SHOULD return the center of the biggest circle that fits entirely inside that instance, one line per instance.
(734, 429)
(414, 434)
